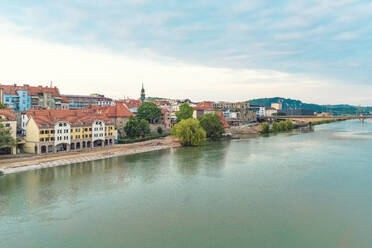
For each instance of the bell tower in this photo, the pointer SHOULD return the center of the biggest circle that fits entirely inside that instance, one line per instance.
(143, 95)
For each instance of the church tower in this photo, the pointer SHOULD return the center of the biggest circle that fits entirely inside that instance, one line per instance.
(143, 95)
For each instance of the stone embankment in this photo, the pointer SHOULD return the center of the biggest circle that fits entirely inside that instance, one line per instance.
(244, 130)
(40, 162)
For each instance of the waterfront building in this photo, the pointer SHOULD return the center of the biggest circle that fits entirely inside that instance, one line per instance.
(8, 119)
(52, 131)
(277, 105)
(119, 114)
(270, 111)
(23, 98)
(203, 108)
(82, 101)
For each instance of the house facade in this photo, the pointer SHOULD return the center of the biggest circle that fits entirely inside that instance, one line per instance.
(8, 119)
(53, 131)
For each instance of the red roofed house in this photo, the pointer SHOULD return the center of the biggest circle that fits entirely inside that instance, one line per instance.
(51, 131)
(8, 119)
(203, 108)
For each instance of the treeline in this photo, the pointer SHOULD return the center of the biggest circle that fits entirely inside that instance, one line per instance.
(282, 126)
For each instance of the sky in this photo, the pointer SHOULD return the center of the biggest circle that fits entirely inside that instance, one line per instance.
(318, 51)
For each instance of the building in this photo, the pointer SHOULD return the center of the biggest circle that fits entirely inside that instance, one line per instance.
(277, 105)
(270, 112)
(203, 108)
(119, 114)
(131, 104)
(259, 110)
(81, 101)
(52, 131)
(22, 98)
(297, 112)
(8, 119)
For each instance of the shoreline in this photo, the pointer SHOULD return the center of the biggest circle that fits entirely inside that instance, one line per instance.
(41, 162)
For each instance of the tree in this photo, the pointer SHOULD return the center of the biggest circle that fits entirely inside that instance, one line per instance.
(212, 125)
(144, 127)
(190, 132)
(160, 130)
(132, 128)
(275, 127)
(149, 111)
(2, 106)
(185, 112)
(265, 127)
(6, 139)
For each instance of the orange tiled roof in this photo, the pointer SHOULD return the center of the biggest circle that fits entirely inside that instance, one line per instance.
(204, 106)
(130, 103)
(8, 114)
(76, 117)
(161, 102)
(32, 90)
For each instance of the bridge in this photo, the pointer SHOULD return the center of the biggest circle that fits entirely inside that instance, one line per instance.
(311, 119)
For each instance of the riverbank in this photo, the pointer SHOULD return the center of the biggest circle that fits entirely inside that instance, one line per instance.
(20, 164)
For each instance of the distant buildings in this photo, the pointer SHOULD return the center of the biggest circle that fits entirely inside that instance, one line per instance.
(22, 98)
(8, 119)
(297, 112)
(277, 106)
(80, 101)
(270, 111)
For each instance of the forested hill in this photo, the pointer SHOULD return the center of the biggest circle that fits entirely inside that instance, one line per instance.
(296, 104)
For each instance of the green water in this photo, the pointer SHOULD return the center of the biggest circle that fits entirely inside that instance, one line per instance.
(289, 190)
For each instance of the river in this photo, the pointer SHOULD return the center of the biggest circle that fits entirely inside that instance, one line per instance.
(288, 190)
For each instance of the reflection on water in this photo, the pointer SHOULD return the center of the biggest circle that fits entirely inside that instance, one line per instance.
(286, 190)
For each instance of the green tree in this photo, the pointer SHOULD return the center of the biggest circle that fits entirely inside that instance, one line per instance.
(185, 112)
(212, 125)
(6, 139)
(160, 130)
(275, 127)
(149, 111)
(2, 106)
(265, 127)
(290, 125)
(144, 127)
(283, 126)
(190, 132)
(132, 128)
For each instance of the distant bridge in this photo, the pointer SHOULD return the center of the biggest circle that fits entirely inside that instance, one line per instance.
(310, 119)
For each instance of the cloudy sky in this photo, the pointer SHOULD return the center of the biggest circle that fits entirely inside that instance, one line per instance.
(315, 50)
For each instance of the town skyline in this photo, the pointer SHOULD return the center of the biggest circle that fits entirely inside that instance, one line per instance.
(317, 52)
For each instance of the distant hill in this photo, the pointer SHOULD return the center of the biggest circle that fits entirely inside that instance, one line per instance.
(341, 109)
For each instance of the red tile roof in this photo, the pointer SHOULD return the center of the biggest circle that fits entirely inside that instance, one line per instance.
(32, 90)
(161, 102)
(204, 106)
(130, 103)
(8, 115)
(76, 117)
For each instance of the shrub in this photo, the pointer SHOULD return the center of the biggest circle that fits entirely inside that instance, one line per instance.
(190, 132)
(265, 127)
(160, 130)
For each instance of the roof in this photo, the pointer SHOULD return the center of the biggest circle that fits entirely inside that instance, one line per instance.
(32, 90)
(223, 120)
(204, 106)
(161, 102)
(76, 117)
(119, 110)
(163, 111)
(7, 115)
(130, 103)
(81, 97)
(269, 108)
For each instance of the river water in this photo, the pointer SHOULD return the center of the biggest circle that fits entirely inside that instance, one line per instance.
(287, 190)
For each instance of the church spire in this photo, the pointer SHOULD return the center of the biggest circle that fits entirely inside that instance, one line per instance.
(143, 95)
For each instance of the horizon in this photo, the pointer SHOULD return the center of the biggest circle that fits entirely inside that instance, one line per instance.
(315, 51)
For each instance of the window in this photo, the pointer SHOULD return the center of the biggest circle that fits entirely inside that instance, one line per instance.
(51, 131)
(86, 129)
(90, 136)
(71, 130)
(66, 131)
(90, 129)
(46, 139)
(52, 139)
(46, 131)
(60, 124)
(7, 125)
(41, 139)
(42, 132)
